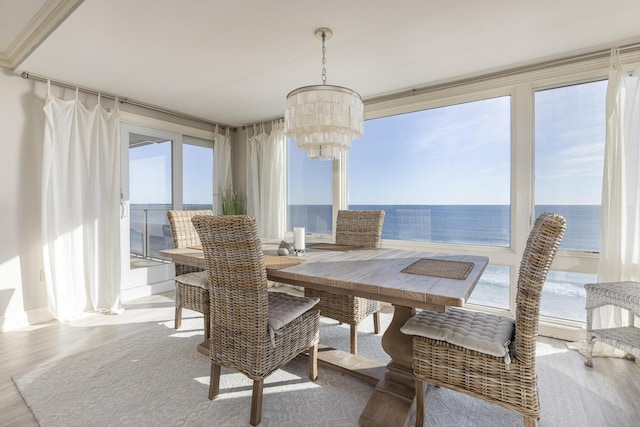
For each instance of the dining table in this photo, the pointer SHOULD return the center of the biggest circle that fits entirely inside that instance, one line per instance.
(407, 279)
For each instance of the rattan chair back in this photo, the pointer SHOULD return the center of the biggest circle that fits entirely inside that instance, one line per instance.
(239, 308)
(543, 242)
(184, 234)
(363, 229)
(510, 382)
(239, 305)
(359, 228)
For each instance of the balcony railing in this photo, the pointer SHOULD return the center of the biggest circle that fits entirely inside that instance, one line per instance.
(149, 232)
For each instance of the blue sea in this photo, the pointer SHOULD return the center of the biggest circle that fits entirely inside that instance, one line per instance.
(485, 225)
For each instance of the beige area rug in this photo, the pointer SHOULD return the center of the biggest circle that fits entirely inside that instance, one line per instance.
(157, 378)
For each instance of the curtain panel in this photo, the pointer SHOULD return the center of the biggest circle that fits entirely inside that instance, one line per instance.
(81, 207)
(620, 220)
(266, 184)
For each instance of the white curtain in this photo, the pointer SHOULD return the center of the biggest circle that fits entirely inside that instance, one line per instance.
(620, 221)
(266, 185)
(222, 178)
(81, 207)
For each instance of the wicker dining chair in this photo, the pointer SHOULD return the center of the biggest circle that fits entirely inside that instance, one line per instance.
(488, 356)
(256, 332)
(361, 229)
(191, 282)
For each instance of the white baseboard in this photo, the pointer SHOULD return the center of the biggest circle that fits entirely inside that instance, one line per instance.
(569, 331)
(42, 315)
(24, 319)
(146, 290)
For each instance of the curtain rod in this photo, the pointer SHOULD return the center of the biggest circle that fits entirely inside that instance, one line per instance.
(601, 54)
(262, 122)
(125, 100)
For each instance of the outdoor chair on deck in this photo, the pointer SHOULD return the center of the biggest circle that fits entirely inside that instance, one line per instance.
(253, 331)
(489, 356)
(359, 229)
(192, 289)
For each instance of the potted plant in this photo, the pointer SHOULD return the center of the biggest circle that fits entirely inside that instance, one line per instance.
(232, 202)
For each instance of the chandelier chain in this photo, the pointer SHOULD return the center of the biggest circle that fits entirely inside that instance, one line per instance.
(324, 60)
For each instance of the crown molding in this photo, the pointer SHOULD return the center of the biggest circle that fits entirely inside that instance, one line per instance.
(4, 60)
(43, 23)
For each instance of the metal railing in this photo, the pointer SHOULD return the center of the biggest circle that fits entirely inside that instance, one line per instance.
(149, 232)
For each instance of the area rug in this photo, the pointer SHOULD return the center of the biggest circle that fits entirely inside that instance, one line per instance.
(157, 378)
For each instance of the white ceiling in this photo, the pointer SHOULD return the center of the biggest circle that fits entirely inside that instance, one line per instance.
(234, 62)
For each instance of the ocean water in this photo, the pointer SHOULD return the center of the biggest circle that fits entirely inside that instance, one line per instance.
(488, 225)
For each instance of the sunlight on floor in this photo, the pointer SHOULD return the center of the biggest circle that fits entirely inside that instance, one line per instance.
(292, 384)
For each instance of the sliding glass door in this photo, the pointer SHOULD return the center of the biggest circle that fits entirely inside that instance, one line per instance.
(161, 170)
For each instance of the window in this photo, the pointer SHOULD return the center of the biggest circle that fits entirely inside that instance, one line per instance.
(440, 175)
(564, 296)
(150, 170)
(569, 160)
(197, 173)
(569, 157)
(310, 192)
(493, 288)
(165, 171)
(466, 168)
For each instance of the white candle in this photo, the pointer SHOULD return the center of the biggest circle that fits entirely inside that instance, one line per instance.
(298, 238)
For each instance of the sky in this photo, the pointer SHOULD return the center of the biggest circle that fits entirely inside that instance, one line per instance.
(453, 155)
(461, 154)
(150, 165)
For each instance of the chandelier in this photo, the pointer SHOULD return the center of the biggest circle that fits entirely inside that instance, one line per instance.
(324, 119)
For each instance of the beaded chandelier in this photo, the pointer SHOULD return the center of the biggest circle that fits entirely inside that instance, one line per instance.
(324, 119)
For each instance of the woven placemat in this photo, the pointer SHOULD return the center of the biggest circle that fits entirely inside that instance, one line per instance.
(440, 268)
(332, 247)
(277, 262)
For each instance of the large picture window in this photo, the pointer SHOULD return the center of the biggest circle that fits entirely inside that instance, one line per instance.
(441, 175)
(467, 169)
(569, 160)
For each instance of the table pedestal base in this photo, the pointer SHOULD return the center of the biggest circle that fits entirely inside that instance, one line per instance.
(391, 402)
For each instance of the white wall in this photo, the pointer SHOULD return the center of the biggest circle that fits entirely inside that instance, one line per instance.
(22, 294)
(238, 160)
(23, 298)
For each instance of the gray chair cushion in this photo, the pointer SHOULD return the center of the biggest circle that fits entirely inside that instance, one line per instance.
(283, 308)
(199, 279)
(482, 332)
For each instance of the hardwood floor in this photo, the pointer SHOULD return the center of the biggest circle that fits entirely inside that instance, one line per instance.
(607, 392)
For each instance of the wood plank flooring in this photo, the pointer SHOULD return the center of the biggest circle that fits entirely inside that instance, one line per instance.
(608, 392)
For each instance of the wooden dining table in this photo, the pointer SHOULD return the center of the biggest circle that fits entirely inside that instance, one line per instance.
(407, 279)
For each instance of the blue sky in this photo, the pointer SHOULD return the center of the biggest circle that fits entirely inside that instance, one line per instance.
(150, 175)
(457, 154)
(461, 154)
